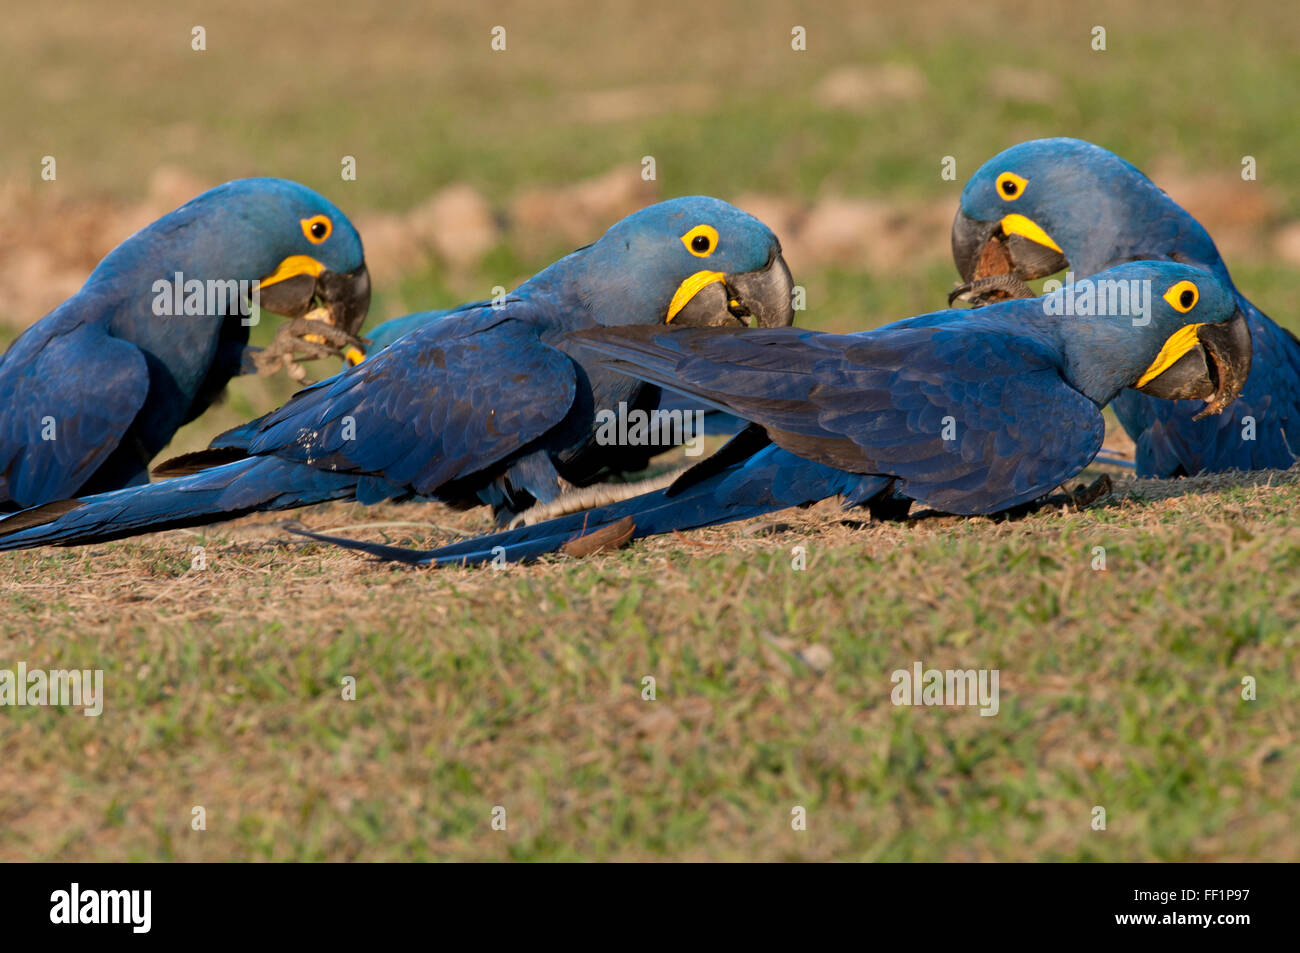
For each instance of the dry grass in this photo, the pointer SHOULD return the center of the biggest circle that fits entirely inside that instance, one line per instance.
(522, 688)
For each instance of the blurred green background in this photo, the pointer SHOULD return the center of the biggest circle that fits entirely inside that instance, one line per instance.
(716, 95)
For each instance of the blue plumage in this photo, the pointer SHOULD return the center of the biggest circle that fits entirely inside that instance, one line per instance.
(95, 389)
(388, 332)
(715, 422)
(1099, 210)
(492, 403)
(967, 413)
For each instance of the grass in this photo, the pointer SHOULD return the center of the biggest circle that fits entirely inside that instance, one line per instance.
(523, 688)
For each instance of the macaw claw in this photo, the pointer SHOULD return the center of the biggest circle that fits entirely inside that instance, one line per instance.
(307, 338)
(990, 290)
(1099, 488)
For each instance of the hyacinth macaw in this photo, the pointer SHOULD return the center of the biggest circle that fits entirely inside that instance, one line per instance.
(92, 391)
(493, 404)
(966, 412)
(233, 443)
(1051, 204)
(388, 332)
(715, 422)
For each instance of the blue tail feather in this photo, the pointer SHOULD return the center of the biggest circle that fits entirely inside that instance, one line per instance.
(220, 493)
(770, 480)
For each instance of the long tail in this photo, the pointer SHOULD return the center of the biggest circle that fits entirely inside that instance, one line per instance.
(770, 480)
(209, 496)
(225, 447)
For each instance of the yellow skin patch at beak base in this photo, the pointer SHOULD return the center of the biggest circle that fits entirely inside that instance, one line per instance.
(292, 267)
(1178, 344)
(689, 288)
(1028, 228)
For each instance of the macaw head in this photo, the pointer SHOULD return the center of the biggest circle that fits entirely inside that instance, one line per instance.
(688, 262)
(1169, 330)
(302, 251)
(1050, 204)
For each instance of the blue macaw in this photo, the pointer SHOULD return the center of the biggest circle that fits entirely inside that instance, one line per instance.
(490, 404)
(233, 444)
(97, 387)
(388, 332)
(1049, 204)
(715, 422)
(966, 412)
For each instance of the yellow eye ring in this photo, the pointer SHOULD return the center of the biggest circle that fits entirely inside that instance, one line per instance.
(701, 241)
(317, 228)
(1182, 297)
(1011, 186)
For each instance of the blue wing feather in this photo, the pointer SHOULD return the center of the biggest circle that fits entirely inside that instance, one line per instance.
(859, 416)
(70, 375)
(878, 403)
(432, 407)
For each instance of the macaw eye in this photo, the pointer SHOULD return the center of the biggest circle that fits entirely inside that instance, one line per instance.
(1183, 296)
(1011, 186)
(701, 241)
(317, 228)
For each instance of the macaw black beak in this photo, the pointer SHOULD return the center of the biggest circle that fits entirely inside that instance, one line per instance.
(346, 297)
(1013, 246)
(751, 299)
(1213, 367)
(970, 238)
(293, 290)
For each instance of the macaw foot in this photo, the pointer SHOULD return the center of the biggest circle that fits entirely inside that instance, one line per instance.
(992, 289)
(1079, 497)
(307, 339)
(889, 508)
(576, 500)
(1082, 496)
